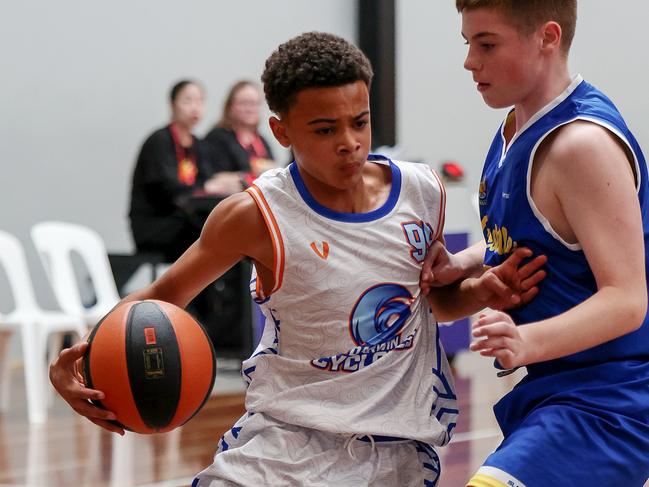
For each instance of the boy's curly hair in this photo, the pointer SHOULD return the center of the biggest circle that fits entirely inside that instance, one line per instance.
(311, 60)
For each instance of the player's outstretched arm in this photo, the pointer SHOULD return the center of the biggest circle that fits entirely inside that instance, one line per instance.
(592, 180)
(235, 229)
(510, 284)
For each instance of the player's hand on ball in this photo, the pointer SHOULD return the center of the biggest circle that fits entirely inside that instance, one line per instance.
(67, 379)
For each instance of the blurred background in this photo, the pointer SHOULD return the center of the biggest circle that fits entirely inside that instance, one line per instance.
(83, 83)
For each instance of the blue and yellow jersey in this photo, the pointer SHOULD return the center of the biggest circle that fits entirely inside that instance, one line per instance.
(510, 219)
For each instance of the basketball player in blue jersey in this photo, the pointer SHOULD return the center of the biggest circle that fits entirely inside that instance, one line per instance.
(349, 384)
(564, 177)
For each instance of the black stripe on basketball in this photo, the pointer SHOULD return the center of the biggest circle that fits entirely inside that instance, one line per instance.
(154, 369)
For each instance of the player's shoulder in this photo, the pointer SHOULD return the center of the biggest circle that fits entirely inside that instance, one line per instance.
(581, 137)
(419, 172)
(275, 177)
(583, 151)
(276, 172)
(412, 166)
(238, 209)
(236, 223)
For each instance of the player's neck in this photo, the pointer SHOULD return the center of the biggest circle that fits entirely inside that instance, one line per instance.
(550, 86)
(370, 193)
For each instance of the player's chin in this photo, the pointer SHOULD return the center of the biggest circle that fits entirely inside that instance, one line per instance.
(496, 106)
(495, 102)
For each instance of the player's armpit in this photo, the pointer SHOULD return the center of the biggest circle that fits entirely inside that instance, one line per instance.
(234, 230)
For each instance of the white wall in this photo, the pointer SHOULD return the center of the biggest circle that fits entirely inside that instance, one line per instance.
(442, 116)
(83, 83)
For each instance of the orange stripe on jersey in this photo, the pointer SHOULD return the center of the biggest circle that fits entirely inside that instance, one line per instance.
(442, 205)
(259, 290)
(275, 234)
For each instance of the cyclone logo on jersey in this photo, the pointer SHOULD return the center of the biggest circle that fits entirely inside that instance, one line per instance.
(380, 313)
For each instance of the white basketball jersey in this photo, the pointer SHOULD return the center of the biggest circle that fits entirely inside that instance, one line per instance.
(350, 345)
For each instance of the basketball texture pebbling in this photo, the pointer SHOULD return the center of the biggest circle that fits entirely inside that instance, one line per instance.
(154, 362)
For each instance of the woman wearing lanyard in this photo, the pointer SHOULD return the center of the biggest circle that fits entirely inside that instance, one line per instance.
(171, 166)
(240, 152)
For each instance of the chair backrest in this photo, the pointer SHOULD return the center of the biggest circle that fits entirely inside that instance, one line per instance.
(55, 243)
(14, 262)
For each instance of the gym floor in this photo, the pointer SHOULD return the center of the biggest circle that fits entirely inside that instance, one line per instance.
(68, 450)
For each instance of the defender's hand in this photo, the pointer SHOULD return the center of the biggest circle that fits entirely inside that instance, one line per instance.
(67, 379)
(500, 338)
(509, 284)
(522, 280)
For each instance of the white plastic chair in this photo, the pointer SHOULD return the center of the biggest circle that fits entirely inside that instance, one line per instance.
(35, 326)
(55, 243)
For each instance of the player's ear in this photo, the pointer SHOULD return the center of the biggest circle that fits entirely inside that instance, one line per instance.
(551, 32)
(279, 131)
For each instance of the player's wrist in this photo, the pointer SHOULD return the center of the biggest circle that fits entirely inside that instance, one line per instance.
(469, 265)
(528, 354)
(472, 287)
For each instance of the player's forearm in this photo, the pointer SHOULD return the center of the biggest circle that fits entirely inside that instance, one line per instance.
(608, 314)
(455, 301)
(472, 259)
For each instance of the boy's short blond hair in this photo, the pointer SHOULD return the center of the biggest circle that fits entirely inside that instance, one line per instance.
(527, 15)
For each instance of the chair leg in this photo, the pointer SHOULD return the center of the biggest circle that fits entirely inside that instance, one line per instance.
(56, 342)
(37, 456)
(5, 369)
(34, 365)
(123, 466)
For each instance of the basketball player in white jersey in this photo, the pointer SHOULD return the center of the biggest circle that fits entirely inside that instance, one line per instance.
(349, 384)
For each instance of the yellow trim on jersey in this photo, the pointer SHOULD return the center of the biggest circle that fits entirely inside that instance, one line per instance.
(482, 480)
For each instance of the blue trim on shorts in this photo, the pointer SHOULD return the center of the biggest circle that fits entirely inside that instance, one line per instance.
(431, 465)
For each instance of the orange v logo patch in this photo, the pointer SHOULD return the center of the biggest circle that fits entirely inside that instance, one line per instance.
(325, 250)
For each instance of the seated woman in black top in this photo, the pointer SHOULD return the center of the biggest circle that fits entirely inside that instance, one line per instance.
(171, 166)
(240, 152)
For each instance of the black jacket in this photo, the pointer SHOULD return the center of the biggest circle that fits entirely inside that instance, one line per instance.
(227, 153)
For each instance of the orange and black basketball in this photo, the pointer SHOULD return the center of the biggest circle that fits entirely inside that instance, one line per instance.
(154, 363)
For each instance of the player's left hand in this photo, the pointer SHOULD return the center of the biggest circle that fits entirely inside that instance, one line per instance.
(511, 283)
(499, 337)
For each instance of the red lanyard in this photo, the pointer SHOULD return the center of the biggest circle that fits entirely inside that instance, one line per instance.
(256, 147)
(187, 169)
